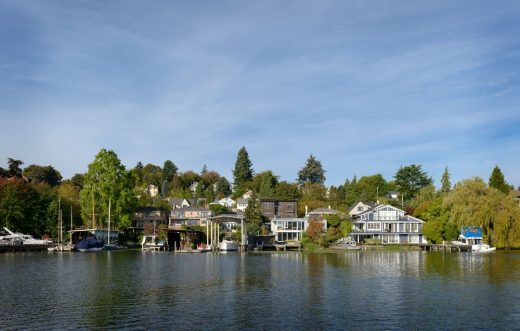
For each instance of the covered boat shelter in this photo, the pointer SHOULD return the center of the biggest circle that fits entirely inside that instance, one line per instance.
(214, 226)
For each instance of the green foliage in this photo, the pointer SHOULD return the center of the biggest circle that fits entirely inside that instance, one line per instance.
(287, 191)
(43, 174)
(346, 228)
(425, 194)
(28, 207)
(223, 188)
(13, 167)
(243, 171)
(253, 215)
(445, 181)
(313, 195)
(497, 181)
(264, 184)
(371, 188)
(106, 179)
(473, 203)
(312, 172)
(77, 180)
(218, 209)
(410, 180)
(438, 227)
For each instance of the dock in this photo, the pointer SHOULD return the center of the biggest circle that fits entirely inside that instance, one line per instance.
(445, 248)
(23, 248)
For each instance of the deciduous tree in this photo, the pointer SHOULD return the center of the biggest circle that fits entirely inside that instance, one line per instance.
(410, 180)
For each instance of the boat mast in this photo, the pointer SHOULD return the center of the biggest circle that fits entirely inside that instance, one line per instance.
(60, 230)
(109, 221)
(93, 211)
(70, 243)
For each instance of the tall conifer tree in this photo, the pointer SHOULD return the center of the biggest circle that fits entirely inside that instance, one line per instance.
(445, 181)
(243, 171)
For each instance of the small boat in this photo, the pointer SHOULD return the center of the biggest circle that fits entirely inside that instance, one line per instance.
(228, 245)
(85, 240)
(152, 243)
(203, 248)
(482, 248)
(472, 235)
(16, 239)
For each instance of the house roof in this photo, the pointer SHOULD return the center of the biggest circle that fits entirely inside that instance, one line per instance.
(369, 204)
(175, 201)
(471, 232)
(191, 209)
(324, 211)
(242, 201)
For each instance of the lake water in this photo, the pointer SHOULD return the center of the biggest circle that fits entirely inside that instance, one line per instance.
(352, 290)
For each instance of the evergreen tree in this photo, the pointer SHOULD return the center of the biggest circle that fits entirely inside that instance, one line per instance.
(312, 172)
(497, 180)
(445, 181)
(410, 180)
(204, 170)
(243, 171)
(223, 188)
(169, 170)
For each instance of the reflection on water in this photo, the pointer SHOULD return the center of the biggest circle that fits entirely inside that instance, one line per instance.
(352, 290)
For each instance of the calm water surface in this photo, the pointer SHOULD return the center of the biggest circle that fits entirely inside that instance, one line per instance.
(353, 290)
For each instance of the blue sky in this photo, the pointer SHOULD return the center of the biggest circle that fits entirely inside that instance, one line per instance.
(366, 86)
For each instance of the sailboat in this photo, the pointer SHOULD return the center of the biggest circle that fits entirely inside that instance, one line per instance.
(86, 240)
(109, 246)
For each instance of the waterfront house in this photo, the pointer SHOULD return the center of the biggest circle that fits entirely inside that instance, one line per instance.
(288, 229)
(275, 208)
(189, 216)
(359, 208)
(388, 224)
(471, 235)
(146, 217)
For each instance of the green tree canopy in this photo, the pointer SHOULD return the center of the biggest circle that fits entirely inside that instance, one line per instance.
(223, 188)
(13, 167)
(264, 183)
(473, 203)
(243, 171)
(45, 174)
(253, 215)
(497, 180)
(169, 170)
(287, 191)
(410, 180)
(312, 172)
(106, 179)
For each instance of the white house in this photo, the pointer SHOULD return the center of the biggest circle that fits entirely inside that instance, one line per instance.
(389, 224)
(226, 202)
(288, 229)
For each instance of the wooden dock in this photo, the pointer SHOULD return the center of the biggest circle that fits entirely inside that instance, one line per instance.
(23, 248)
(445, 248)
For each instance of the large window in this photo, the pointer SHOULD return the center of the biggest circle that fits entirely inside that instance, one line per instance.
(373, 226)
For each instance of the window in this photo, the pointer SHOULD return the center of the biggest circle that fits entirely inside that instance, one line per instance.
(360, 208)
(373, 226)
(414, 227)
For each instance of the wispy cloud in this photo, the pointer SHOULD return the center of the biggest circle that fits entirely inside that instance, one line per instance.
(365, 86)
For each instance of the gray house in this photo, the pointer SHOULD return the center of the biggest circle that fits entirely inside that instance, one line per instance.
(389, 224)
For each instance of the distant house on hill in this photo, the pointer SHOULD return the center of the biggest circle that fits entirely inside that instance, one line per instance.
(177, 203)
(393, 195)
(516, 195)
(242, 204)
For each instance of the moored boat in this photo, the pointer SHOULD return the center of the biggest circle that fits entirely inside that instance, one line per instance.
(472, 235)
(228, 245)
